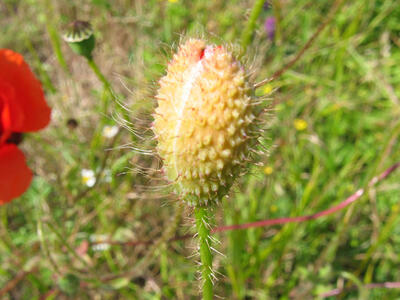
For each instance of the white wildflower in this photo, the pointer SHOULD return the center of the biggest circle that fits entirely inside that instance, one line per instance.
(88, 177)
(110, 131)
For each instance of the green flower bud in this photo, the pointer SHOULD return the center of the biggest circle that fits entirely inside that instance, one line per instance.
(80, 38)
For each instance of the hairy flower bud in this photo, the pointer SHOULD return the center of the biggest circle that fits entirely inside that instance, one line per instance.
(203, 120)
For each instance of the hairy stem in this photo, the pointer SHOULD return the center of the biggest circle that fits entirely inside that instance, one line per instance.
(203, 231)
(251, 24)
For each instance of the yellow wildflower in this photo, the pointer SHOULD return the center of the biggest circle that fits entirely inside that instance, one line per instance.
(273, 208)
(268, 170)
(267, 89)
(300, 124)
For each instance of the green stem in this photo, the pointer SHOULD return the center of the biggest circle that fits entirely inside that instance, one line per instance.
(276, 5)
(106, 84)
(110, 92)
(56, 45)
(100, 76)
(203, 231)
(140, 268)
(168, 233)
(4, 234)
(251, 24)
(45, 247)
(63, 239)
(54, 36)
(43, 73)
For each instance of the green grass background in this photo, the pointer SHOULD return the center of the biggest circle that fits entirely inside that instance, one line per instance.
(346, 88)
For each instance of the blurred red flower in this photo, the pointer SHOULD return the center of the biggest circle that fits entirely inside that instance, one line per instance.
(23, 108)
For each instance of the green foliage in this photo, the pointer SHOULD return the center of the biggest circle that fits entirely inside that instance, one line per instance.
(333, 125)
(69, 284)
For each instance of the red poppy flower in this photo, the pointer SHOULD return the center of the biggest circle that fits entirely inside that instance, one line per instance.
(23, 108)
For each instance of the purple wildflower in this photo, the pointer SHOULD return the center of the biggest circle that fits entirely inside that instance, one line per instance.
(269, 27)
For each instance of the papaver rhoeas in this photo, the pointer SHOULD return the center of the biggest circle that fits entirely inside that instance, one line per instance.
(23, 108)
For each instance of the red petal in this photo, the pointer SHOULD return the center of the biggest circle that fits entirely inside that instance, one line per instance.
(15, 176)
(28, 93)
(11, 114)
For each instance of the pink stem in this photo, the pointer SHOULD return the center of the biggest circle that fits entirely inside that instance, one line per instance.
(386, 285)
(285, 220)
(326, 212)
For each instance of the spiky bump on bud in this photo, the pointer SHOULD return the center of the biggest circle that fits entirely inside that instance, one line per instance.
(203, 120)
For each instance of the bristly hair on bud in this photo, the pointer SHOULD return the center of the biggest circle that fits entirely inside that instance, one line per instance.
(80, 37)
(204, 122)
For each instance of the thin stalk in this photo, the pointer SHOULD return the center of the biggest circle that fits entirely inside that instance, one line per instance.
(107, 85)
(251, 24)
(167, 235)
(203, 231)
(56, 45)
(10, 285)
(54, 36)
(44, 75)
(64, 241)
(4, 235)
(45, 247)
(393, 218)
(110, 93)
(328, 18)
(276, 6)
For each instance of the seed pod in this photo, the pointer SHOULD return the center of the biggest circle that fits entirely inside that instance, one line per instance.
(203, 120)
(80, 38)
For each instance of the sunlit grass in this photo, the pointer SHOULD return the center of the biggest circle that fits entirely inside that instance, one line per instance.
(333, 125)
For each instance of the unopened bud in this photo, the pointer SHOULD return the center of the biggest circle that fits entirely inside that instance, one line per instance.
(203, 120)
(80, 38)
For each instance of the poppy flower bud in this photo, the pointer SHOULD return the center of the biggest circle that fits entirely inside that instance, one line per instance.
(80, 38)
(203, 120)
